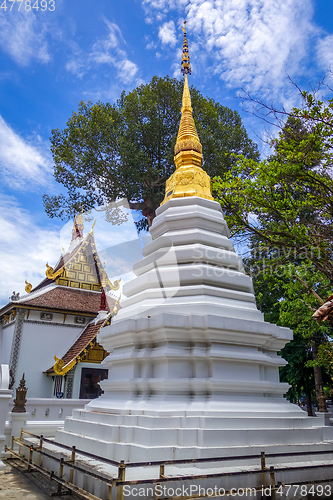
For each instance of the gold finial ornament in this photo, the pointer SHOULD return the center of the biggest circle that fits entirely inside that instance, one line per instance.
(186, 66)
(77, 231)
(79, 219)
(115, 309)
(189, 179)
(28, 287)
(187, 139)
(92, 227)
(50, 274)
(59, 364)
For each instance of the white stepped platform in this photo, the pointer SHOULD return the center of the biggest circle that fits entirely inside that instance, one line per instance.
(148, 438)
(193, 366)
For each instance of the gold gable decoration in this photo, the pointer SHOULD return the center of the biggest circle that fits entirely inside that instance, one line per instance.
(81, 271)
(93, 352)
(96, 354)
(58, 366)
(189, 179)
(50, 274)
(84, 269)
(28, 287)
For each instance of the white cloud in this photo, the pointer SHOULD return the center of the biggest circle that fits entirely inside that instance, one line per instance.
(25, 248)
(77, 67)
(108, 50)
(157, 9)
(22, 164)
(325, 52)
(22, 37)
(167, 34)
(150, 44)
(127, 70)
(247, 43)
(118, 245)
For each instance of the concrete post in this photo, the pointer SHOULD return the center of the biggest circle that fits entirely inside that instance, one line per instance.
(5, 396)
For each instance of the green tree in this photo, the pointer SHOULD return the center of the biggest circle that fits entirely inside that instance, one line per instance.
(297, 372)
(125, 150)
(311, 349)
(285, 300)
(286, 200)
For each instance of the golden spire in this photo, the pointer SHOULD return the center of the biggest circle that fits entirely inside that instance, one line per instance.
(79, 219)
(186, 66)
(187, 139)
(77, 231)
(189, 179)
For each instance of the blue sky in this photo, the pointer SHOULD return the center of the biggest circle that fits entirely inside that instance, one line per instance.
(52, 59)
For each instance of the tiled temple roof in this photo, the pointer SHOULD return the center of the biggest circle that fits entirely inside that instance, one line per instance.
(88, 334)
(64, 298)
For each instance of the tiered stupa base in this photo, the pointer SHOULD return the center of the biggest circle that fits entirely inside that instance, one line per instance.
(193, 366)
(165, 435)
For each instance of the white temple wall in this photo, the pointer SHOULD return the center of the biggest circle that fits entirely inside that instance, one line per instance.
(1, 343)
(39, 343)
(60, 318)
(35, 316)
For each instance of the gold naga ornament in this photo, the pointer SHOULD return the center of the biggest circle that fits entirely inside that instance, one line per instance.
(51, 274)
(59, 366)
(106, 281)
(189, 179)
(28, 287)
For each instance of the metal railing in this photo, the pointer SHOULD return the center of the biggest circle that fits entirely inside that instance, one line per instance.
(119, 482)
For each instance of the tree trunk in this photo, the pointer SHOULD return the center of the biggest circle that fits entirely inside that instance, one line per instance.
(318, 381)
(309, 403)
(149, 213)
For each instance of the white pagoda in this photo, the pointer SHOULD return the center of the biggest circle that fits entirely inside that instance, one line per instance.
(193, 369)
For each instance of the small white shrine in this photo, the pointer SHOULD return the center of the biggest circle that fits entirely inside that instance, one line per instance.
(193, 369)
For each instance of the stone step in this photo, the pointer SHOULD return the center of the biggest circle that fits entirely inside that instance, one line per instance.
(157, 451)
(203, 422)
(197, 436)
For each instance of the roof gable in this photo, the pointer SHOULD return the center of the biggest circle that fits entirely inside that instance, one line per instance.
(80, 269)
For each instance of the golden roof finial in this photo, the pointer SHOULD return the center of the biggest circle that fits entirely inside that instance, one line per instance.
(186, 66)
(92, 227)
(79, 219)
(77, 231)
(189, 178)
(187, 139)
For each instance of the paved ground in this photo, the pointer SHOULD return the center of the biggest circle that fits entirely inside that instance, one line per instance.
(15, 484)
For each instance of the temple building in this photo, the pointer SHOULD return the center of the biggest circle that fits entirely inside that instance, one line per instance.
(50, 333)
